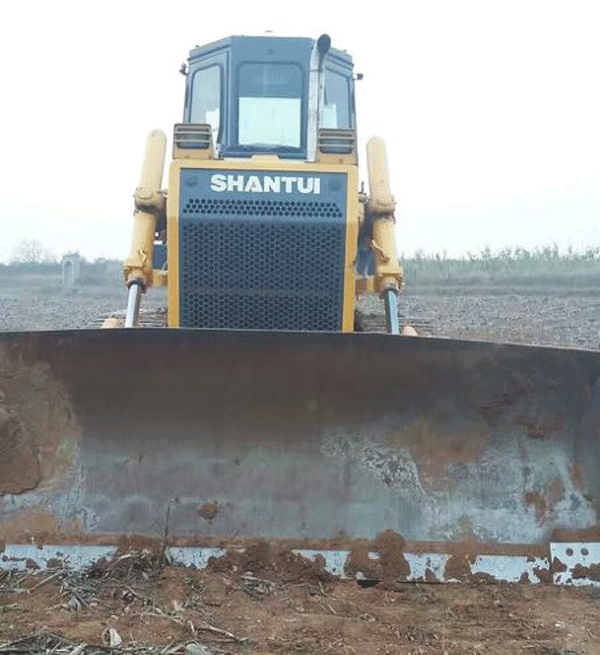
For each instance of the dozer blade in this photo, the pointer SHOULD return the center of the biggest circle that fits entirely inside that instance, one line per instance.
(316, 442)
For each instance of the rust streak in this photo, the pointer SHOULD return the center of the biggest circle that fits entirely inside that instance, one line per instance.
(556, 492)
(435, 450)
(576, 476)
(538, 502)
(539, 430)
(40, 527)
(584, 534)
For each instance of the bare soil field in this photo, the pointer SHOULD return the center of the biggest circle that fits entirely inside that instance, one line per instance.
(557, 318)
(261, 607)
(276, 610)
(51, 307)
(552, 319)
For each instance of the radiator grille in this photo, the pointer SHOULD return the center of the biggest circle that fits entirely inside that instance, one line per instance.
(300, 209)
(261, 264)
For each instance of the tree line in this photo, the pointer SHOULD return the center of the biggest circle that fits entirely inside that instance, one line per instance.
(519, 264)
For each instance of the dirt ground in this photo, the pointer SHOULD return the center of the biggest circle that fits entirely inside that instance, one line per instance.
(177, 610)
(552, 319)
(37, 307)
(162, 609)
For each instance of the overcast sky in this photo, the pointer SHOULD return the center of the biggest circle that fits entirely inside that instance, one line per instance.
(491, 112)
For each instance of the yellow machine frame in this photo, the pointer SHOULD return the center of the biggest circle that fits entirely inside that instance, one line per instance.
(151, 202)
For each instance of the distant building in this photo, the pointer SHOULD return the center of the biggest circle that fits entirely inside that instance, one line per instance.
(71, 268)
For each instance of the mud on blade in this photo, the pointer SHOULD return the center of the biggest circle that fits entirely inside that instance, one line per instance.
(202, 435)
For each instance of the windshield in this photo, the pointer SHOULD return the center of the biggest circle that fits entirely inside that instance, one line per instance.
(270, 105)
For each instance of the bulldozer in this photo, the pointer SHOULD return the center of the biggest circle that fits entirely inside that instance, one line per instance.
(262, 412)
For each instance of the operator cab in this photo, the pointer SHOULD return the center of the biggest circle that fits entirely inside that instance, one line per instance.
(269, 95)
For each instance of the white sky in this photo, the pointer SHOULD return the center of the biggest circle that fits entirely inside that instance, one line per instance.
(491, 112)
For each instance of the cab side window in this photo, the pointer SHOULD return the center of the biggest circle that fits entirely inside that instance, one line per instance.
(206, 98)
(336, 106)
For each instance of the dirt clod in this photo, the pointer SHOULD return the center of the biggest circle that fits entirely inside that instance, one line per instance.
(208, 511)
(383, 559)
(263, 561)
(591, 572)
(543, 575)
(457, 568)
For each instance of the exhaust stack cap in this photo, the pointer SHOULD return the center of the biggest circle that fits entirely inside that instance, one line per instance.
(323, 46)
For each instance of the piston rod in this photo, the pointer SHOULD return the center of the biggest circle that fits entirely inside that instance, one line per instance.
(133, 305)
(392, 321)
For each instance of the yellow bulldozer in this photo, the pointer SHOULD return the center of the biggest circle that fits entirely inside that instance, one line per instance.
(262, 413)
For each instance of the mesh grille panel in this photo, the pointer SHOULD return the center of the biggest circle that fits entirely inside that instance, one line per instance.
(298, 208)
(261, 264)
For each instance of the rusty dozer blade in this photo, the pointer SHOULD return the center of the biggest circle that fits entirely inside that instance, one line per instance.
(318, 441)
